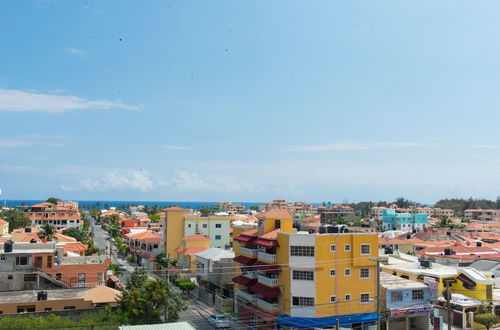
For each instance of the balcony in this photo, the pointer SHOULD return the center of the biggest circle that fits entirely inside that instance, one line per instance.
(273, 308)
(248, 252)
(250, 274)
(266, 257)
(267, 281)
(245, 295)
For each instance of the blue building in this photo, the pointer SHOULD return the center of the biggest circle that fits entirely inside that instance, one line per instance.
(403, 221)
(405, 301)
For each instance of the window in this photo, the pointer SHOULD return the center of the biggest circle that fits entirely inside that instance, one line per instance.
(347, 248)
(396, 296)
(302, 251)
(218, 225)
(155, 246)
(217, 237)
(347, 297)
(69, 307)
(21, 261)
(2, 258)
(332, 248)
(417, 294)
(302, 275)
(347, 272)
(204, 225)
(9, 277)
(332, 272)
(333, 299)
(364, 273)
(365, 249)
(189, 225)
(303, 301)
(364, 298)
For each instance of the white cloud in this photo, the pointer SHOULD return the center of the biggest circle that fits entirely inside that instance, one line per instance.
(29, 101)
(176, 148)
(77, 51)
(117, 180)
(487, 146)
(34, 140)
(344, 146)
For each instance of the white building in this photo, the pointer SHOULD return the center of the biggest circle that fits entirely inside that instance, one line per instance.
(214, 227)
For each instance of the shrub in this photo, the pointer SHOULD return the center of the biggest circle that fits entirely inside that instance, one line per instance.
(487, 320)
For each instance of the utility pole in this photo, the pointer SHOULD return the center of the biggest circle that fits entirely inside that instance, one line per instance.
(379, 305)
(448, 303)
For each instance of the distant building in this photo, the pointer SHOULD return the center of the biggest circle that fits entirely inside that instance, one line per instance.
(229, 208)
(441, 213)
(190, 246)
(276, 204)
(482, 215)
(328, 215)
(64, 214)
(391, 220)
(4, 228)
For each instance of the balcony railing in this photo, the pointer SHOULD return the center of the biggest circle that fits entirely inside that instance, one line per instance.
(267, 306)
(250, 274)
(267, 281)
(245, 295)
(267, 257)
(248, 252)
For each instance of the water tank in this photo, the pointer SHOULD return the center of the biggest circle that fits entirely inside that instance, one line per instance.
(479, 244)
(414, 231)
(408, 236)
(447, 252)
(323, 229)
(8, 246)
(32, 240)
(425, 263)
(344, 229)
(331, 229)
(388, 250)
(448, 233)
(42, 295)
(27, 230)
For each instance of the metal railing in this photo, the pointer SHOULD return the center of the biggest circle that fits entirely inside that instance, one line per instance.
(267, 257)
(267, 281)
(245, 295)
(248, 252)
(268, 306)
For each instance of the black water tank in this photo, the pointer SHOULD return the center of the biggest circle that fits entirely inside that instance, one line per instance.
(330, 229)
(32, 240)
(425, 263)
(27, 230)
(448, 233)
(323, 229)
(42, 295)
(344, 229)
(8, 246)
(447, 252)
(388, 250)
(408, 236)
(414, 231)
(479, 244)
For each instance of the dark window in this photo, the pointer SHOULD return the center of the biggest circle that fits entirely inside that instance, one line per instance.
(218, 225)
(69, 307)
(21, 261)
(204, 225)
(417, 294)
(277, 224)
(9, 277)
(396, 296)
(303, 301)
(49, 262)
(38, 262)
(302, 251)
(303, 275)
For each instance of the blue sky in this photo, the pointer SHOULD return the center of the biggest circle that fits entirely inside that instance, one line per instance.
(249, 100)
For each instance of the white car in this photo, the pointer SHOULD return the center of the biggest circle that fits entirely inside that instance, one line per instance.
(219, 321)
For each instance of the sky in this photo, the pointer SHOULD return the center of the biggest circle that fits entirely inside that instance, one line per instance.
(249, 100)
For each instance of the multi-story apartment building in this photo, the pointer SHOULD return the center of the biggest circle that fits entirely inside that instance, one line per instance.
(291, 277)
(25, 266)
(481, 215)
(144, 247)
(376, 212)
(278, 203)
(391, 220)
(229, 208)
(179, 225)
(339, 211)
(441, 213)
(61, 215)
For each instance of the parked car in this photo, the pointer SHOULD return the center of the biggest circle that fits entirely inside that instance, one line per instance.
(122, 267)
(219, 321)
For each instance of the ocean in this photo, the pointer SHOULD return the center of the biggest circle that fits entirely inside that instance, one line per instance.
(126, 204)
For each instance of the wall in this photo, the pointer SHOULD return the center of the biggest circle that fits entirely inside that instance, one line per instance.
(174, 231)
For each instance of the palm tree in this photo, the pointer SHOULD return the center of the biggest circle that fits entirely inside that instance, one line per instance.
(47, 232)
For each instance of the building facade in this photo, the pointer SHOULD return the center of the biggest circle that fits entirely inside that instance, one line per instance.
(391, 220)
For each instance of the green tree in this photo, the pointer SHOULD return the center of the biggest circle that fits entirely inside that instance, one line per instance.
(137, 278)
(162, 260)
(488, 320)
(77, 233)
(53, 200)
(47, 232)
(154, 217)
(16, 218)
(95, 213)
(116, 269)
(205, 211)
(145, 300)
(254, 207)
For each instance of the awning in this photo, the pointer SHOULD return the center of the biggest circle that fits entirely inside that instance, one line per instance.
(266, 242)
(266, 291)
(321, 322)
(244, 280)
(245, 260)
(468, 283)
(266, 267)
(245, 238)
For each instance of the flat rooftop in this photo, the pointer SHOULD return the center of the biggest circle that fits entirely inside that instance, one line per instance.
(27, 296)
(395, 282)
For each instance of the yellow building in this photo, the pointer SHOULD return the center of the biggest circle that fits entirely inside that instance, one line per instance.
(178, 225)
(190, 246)
(286, 276)
(463, 280)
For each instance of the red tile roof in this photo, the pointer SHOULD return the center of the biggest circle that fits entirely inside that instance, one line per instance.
(195, 238)
(174, 208)
(275, 214)
(273, 234)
